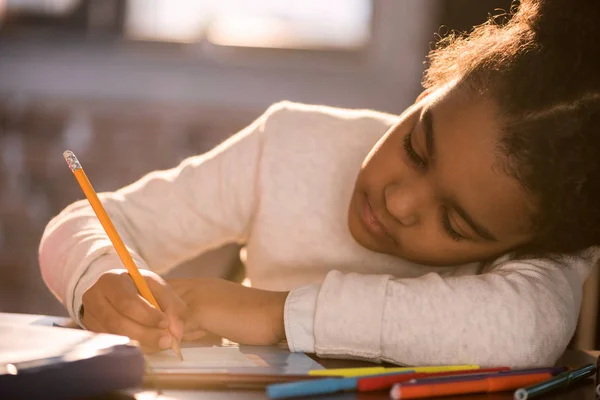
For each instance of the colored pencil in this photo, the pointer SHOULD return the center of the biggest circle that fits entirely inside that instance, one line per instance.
(442, 379)
(477, 384)
(315, 387)
(113, 235)
(352, 372)
(563, 380)
(361, 383)
(218, 380)
(384, 382)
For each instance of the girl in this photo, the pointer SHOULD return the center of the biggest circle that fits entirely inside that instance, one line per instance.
(459, 232)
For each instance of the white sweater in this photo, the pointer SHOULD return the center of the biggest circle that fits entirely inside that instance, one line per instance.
(281, 187)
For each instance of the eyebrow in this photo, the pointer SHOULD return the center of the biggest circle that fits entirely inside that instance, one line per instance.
(427, 119)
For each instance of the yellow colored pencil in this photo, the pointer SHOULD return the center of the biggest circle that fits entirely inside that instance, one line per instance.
(113, 235)
(366, 371)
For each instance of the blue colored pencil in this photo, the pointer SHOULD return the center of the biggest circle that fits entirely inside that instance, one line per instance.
(317, 386)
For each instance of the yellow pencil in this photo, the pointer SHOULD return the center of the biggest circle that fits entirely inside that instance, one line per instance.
(113, 235)
(365, 371)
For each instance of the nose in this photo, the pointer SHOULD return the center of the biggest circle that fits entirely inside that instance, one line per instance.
(407, 203)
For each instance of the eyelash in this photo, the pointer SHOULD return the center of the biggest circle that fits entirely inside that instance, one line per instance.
(412, 154)
(448, 227)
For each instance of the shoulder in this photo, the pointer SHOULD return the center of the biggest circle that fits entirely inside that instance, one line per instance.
(310, 148)
(309, 117)
(317, 134)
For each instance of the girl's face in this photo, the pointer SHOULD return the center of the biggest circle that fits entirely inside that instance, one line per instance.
(433, 189)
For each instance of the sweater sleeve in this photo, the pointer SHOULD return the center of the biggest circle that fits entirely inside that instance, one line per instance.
(164, 218)
(519, 313)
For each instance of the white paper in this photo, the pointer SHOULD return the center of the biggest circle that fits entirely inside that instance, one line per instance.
(21, 343)
(200, 358)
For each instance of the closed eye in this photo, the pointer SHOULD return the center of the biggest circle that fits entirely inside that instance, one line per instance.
(448, 227)
(412, 154)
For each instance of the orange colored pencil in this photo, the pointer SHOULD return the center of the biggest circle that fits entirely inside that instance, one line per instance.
(497, 383)
(113, 235)
(386, 381)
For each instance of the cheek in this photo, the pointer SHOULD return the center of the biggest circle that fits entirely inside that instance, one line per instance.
(374, 155)
(382, 162)
(429, 245)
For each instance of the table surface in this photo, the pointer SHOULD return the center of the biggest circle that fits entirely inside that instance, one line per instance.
(581, 391)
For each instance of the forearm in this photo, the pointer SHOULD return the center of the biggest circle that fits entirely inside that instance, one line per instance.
(238, 313)
(71, 242)
(258, 312)
(492, 321)
(515, 316)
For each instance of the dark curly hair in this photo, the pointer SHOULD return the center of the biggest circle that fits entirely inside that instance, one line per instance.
(540, 63)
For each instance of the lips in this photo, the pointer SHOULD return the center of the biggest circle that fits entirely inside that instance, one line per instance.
(371, 222)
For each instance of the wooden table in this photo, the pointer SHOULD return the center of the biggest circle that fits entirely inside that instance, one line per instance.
(582, 391)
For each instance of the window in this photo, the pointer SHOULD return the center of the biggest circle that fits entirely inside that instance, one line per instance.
(308, 24)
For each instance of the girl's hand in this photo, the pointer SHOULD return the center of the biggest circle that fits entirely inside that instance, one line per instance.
(113, 305)
(230, 310)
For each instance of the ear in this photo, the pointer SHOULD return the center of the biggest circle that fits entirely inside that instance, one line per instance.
(423, 94)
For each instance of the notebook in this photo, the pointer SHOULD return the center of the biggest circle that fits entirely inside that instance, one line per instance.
(220, 364)
(41, 362)
(222, 356)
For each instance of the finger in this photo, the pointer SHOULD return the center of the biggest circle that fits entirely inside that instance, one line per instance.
(126, 299)
(115, 322)
(192, 328)
(171, 304)
(93, 325)
(167, 298)
(175, 327)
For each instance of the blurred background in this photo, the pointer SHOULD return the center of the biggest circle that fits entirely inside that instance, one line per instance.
(137, 85)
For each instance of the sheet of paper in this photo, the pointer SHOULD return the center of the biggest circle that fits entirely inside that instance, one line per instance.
(201, 357)
(24, 343)
(21, 343)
